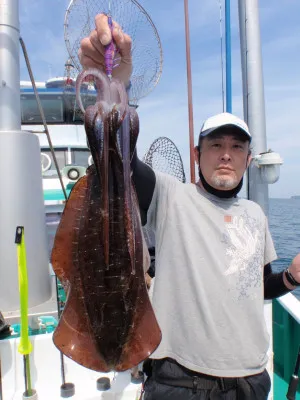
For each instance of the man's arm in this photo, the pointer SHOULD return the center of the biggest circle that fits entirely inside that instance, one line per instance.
(143, 178)
(274, 285)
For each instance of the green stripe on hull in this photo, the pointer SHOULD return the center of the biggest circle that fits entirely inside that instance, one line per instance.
(286, 341)
(55, 194)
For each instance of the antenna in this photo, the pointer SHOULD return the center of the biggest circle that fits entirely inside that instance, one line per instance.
(50, 71)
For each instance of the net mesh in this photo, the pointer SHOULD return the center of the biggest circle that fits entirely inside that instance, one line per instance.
(164, 156)
(134, 20)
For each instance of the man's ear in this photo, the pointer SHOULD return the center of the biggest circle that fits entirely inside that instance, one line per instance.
(196, 154)
(249, 159)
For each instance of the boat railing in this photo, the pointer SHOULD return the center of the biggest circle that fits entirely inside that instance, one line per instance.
(286, 334)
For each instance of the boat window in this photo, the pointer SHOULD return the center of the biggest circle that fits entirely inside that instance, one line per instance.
(80, 157)
(73, 112)
(52, 221)
(61, 157)
(52, 106)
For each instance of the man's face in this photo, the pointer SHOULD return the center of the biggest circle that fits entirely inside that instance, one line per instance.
(223, 160)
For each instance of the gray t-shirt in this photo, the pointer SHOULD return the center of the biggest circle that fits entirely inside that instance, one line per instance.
(208, 293)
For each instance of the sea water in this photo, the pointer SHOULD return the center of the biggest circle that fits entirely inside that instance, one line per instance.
(284, 222)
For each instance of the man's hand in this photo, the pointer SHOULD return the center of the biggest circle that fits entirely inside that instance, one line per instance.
(294, 269)
(92, 48)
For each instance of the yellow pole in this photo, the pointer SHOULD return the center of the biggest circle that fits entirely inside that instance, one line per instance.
(25, 346)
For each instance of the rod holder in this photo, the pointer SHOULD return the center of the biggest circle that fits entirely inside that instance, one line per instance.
(67, 390)
(103, 384)
(32, 396)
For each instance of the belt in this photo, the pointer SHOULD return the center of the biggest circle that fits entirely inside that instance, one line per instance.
(200, 382)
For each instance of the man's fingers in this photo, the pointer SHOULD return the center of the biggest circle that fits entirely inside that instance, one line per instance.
(95, 42)
(116, 26)
(123, 43)
(103, 29)
(105, 35)
(91, 48)
(88, 62)
(126, 47)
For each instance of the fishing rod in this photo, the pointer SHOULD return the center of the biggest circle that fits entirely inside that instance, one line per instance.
(67, 389)
(190, 93)
(189, 78)
(292, 389)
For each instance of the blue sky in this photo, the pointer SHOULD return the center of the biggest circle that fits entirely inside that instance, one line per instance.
(164, 112)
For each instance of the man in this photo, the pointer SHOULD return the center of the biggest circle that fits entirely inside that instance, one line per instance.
(213, 255)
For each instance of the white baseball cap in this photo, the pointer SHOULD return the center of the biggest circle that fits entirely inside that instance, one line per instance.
(223, 120)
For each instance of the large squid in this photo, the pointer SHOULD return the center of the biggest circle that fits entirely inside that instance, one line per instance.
(99, 252)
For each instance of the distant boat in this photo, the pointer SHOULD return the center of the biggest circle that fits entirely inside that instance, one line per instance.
(295, 197)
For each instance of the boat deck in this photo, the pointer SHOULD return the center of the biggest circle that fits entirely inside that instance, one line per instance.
(281, 388)
(121, 386)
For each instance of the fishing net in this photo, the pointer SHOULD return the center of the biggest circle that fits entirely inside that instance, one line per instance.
(134, 20)
(164, 156)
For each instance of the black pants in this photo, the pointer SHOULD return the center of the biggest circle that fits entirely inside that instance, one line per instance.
(4, 327)
(204, 387)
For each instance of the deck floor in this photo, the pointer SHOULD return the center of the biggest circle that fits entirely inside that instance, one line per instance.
(281, 387)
